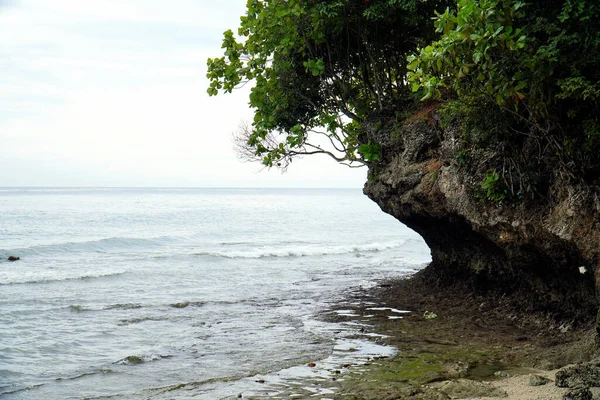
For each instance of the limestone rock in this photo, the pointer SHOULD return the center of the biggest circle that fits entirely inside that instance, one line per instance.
(578, 393)
(532, 249)
(502, 374)
(465, 388)
(537, 380)
(456, 370)
(431, 394)
(587, 375)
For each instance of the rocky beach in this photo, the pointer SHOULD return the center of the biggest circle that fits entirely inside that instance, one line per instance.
(454, 344)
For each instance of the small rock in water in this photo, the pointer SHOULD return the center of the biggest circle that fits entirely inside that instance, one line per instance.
(13, 258)
(132, 360)
(537, 380)
(180, 305)
(501, 374)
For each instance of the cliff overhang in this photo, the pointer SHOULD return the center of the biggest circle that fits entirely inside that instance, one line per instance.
(542, 252)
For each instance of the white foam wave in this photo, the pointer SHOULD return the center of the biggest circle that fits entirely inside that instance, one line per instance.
(302, 250)
(46, 278)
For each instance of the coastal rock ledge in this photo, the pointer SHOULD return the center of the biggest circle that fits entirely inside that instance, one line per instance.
(541, 253)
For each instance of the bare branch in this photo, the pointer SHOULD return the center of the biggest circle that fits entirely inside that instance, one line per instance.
(247, 153)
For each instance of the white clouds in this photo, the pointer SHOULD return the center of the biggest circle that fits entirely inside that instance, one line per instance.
(114, 93)
(202, 13)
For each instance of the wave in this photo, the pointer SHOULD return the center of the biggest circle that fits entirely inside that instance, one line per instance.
(23, 389)
(135, 360)
(103, 371)
(250, 243)
(186, 304)
(132, 306)
(106, 245)
(125, 306)
(62, 279)
(303, 250)
(131, 321)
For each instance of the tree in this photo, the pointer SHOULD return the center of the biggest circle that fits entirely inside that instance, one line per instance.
(536, 64)
(318, 68)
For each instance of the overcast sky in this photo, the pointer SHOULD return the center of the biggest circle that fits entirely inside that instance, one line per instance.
(113, 93)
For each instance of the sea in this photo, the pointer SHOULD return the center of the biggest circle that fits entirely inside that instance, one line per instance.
(188, 293)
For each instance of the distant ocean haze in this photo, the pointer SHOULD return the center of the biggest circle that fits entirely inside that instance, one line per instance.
(133, 292)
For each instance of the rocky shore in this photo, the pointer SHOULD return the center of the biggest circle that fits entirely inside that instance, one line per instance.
(513, 282)
(455, 344)
(451, 344)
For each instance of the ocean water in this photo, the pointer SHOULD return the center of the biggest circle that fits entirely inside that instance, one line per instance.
(183, 293)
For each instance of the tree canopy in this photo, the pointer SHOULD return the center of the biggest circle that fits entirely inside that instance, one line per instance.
(318, 68)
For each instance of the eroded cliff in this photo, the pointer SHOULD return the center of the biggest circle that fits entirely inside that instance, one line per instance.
(542, 252)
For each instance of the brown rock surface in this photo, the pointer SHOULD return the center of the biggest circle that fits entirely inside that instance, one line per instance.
(542, 253)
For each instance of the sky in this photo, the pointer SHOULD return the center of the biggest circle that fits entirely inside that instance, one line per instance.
(113, 93)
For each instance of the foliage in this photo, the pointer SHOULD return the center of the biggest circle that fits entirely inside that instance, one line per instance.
(526, 57)
(482, 124)
(492, 187)
(475, 53)
(370, 151)
(522, 77)
(534, 68)
(318, 68)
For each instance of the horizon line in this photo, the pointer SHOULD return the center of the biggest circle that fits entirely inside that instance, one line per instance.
(177, 187)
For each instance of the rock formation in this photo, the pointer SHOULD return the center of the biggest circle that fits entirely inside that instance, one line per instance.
(543, 253)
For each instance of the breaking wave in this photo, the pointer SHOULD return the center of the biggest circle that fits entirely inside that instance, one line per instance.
(306, 250)
(107, 245)
(35, 280)
(135, 360)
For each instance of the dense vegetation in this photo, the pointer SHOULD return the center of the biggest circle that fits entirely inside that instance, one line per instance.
(319, 67)
(523, 73)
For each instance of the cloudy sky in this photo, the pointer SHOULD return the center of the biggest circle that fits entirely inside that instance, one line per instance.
(113, 93)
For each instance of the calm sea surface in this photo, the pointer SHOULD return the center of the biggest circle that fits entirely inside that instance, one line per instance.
(191, 293)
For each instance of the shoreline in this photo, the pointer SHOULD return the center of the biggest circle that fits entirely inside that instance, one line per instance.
(449, 344)
(458, 344)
